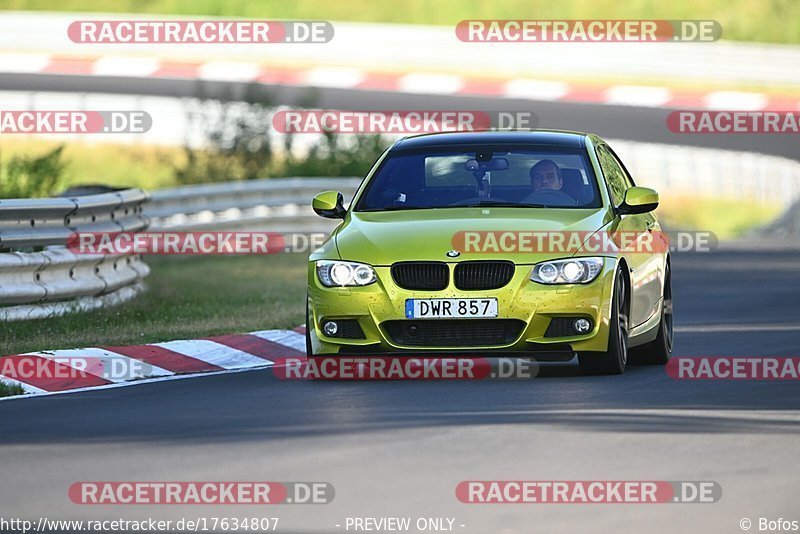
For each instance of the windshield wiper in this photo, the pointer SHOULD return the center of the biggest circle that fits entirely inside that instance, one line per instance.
(501, 204)
(481, 204)
(393, 208)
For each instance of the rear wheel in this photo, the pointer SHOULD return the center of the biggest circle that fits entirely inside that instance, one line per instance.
(614, 360)
(658, 351)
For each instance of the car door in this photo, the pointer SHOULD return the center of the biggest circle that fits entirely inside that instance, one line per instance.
(633, 233)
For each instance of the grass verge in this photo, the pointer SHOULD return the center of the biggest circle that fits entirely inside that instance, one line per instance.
(187, 297)
(9, 390)
(727, 218)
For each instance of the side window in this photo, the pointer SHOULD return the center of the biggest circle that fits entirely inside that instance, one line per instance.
(616, 178)
(625, 173)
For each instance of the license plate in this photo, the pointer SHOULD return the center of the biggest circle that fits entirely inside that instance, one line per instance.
(450, 308)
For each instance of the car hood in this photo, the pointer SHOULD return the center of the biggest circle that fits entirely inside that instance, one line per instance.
(382, 238)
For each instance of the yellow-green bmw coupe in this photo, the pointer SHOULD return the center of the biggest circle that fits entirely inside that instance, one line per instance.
(533, 244)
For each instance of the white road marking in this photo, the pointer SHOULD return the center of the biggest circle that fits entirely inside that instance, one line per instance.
(125, 66)
(735, 100)
(756, 416)
(422, 82)
(289, 338)
(229, 71)
(125, 384)
(535, 89)
(104, 363)
(215, 353)
(738, 328)
(341, 78)
(638, 95)
(23, 62)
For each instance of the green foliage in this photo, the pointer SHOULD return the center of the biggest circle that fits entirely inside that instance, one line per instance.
(25, 176)
(240, 144)
(7, 390)
(336, 155)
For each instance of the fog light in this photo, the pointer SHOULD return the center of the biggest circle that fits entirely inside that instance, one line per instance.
(330, 328)
(582, 326)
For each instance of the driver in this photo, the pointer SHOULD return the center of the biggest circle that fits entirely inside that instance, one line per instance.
(546, 175)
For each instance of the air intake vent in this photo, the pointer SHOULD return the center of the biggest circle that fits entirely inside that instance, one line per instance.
(476, 275)
(421, 275)
(454, 332)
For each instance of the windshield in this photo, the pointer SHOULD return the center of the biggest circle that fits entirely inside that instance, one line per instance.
(449, 177)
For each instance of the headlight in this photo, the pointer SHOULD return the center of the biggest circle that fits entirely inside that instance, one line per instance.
(571, 271)
(344, 273)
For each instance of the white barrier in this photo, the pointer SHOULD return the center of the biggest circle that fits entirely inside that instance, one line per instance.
(279, 202)
(711, 172)
(40, 277)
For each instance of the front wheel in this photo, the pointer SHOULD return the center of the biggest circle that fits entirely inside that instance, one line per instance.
(614, 360)
(309, 326)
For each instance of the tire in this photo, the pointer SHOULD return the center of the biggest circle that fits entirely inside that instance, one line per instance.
(659, 351)
(309, 350)
(615, 359)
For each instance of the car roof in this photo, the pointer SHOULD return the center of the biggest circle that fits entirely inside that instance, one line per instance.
(525, 137)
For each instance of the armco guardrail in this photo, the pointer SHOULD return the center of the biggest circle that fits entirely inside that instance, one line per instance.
(39, 277)
(278, 204)
(711, 172)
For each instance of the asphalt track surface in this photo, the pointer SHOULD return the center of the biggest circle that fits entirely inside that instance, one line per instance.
(614, 122)
(400, 448)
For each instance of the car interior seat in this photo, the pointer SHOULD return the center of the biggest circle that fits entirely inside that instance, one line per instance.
(573, 185)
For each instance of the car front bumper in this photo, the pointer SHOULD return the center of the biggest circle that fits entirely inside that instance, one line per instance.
(381, 304)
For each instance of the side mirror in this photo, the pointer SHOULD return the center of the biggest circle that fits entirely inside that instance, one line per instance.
(329, 204)
(639, 200)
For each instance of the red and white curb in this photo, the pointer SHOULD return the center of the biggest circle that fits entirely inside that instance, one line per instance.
(71, 370)
(404, 82)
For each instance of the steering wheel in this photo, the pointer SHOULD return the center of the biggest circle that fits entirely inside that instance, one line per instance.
(554, 197)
